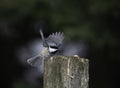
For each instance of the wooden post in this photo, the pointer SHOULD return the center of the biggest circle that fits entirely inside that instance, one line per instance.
(66, 72)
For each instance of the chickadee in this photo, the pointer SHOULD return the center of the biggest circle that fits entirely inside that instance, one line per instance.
(52, 45)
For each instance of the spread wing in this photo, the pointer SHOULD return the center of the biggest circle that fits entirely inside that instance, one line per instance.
(43, 39)
(55, 39)
(35, 61)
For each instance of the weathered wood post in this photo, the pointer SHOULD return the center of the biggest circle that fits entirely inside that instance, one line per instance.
(66, 72)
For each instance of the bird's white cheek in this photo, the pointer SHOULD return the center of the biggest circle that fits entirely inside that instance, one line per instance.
(52, 50)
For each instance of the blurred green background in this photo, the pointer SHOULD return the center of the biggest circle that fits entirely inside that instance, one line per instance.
(95, 21)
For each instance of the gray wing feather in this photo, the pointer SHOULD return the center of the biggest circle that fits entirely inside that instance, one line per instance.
(41, 33)
(35, 61)
(55, 38)
(43, 39)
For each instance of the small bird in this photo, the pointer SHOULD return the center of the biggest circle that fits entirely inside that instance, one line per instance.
(52, 46)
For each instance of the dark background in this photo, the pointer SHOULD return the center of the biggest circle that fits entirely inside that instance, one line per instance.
(97, 22)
